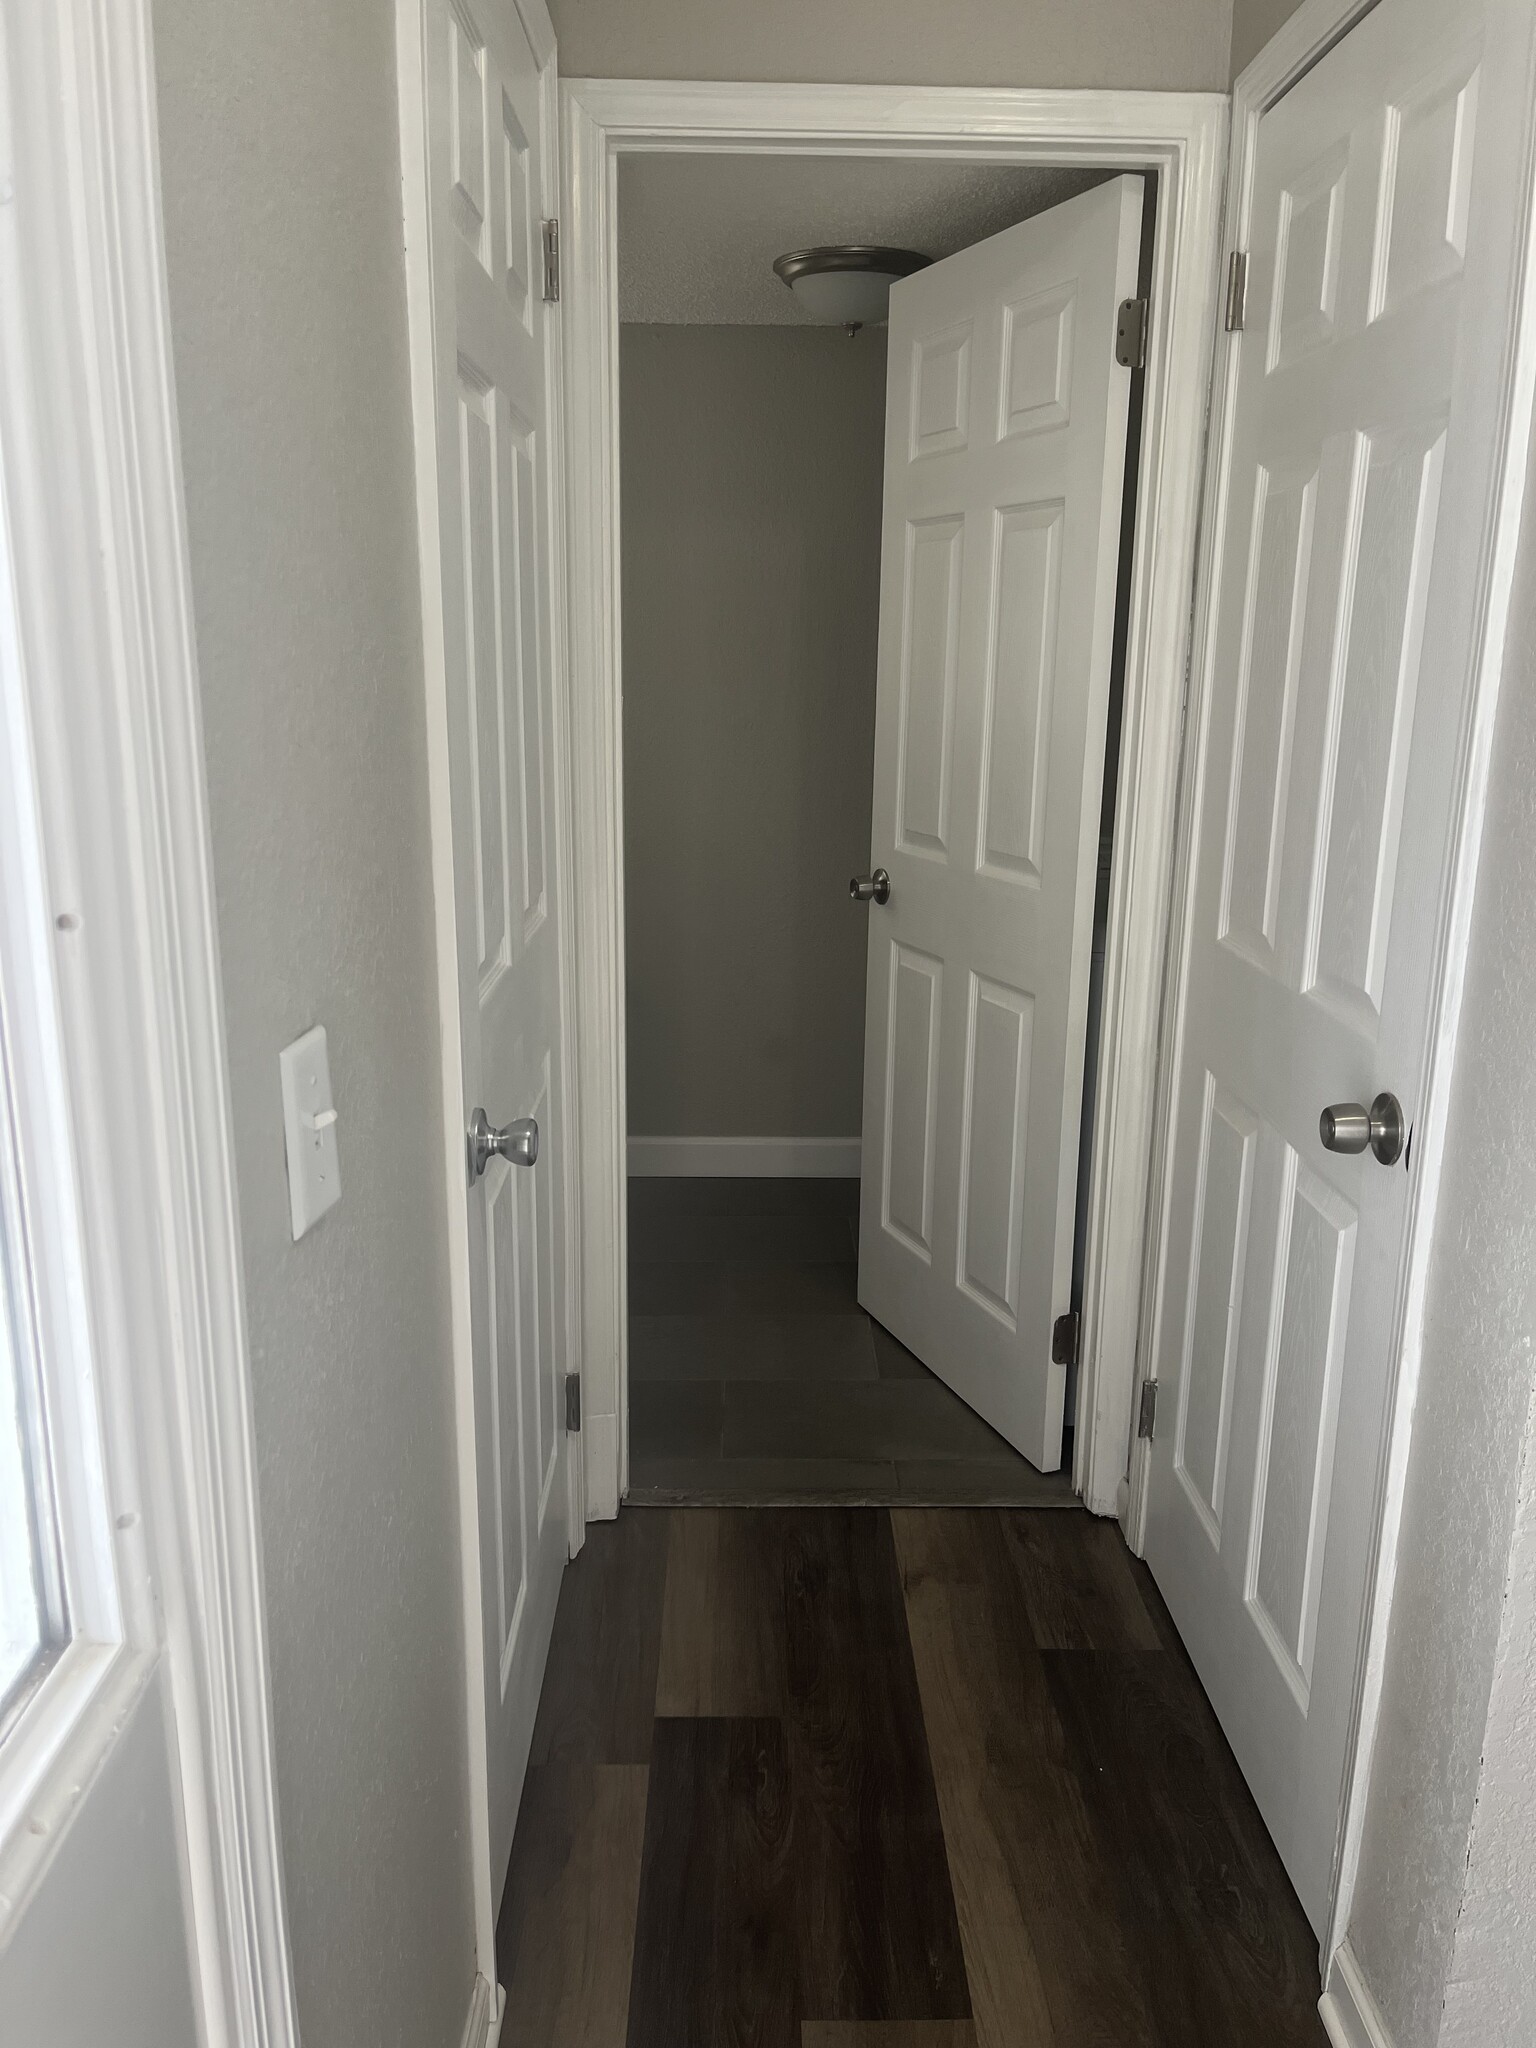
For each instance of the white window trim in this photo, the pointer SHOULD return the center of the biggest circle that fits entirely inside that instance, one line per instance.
(51, 1750)
(102, 569)
(1183, 137)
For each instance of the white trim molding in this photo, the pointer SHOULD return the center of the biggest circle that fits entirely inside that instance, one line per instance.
(487, 2009)
(747, 1158)
(1349, 2012)
(1299, 44)
(1182, 138)
(98, 531)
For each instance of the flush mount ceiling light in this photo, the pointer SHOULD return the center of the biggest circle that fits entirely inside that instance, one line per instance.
(847, 284)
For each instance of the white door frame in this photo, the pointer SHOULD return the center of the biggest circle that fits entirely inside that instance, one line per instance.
(1182, 136)
(410, 32)
(99, 553)
(1309, 34)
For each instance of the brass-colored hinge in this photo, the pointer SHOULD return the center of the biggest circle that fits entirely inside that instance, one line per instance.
(552, 260)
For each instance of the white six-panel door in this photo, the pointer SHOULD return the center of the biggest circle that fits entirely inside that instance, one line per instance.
(1004, 460)
(489, 102)
(1353, 526)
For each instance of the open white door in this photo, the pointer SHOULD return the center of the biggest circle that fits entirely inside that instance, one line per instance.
(1004, 464)
(1353, 537)
(486, 346)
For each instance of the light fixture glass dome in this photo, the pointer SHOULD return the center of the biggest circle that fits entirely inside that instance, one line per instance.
(847, 284)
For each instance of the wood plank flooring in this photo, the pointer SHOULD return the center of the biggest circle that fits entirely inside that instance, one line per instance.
(755, 1376)
(868, 1778)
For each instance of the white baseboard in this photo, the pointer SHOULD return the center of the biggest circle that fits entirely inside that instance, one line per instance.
(482, 2028)
(748, 1158)
(1349, 2012)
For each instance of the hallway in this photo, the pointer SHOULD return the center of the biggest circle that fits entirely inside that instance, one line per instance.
(869, 1778)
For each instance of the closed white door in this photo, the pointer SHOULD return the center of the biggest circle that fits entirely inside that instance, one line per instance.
(1004, 461)
(490, 98)
(1353, 523)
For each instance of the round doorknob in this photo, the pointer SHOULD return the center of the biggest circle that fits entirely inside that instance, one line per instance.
(516, 1142)
(871, 888)
(1351, 1127)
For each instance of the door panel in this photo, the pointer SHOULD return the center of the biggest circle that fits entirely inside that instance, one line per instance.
(1001, 1026)
(1359, 462)
(1005, 452)
(1218, 1280)
(1037, 362)
(1299, 1410)
(911, 1063)
(1370, 721)
(932, 651)
(1021, 678)
(1270, 663)
(491, 159)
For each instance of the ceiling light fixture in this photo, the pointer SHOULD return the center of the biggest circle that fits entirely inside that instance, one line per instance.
(846, 284)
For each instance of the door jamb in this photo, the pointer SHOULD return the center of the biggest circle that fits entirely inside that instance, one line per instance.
(1298, 45)
(1182, 136)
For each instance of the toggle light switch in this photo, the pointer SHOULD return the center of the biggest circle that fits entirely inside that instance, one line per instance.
(309, 1130)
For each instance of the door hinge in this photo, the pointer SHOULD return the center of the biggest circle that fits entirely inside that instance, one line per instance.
(1146, 1415)
(1131, 334)
(1064, 1338)
(552, 260)
(573, 1402)
(1237, 290)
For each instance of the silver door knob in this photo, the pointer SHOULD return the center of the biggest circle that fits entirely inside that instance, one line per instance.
(1351, 1127)
(516, 1142)
(867, 888)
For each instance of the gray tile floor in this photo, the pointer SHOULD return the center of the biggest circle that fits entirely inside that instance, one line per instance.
(754, 1375)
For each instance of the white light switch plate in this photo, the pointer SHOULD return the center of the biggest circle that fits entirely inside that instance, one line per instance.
(309, 1127)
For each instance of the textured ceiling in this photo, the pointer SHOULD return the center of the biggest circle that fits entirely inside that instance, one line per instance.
(698, 234)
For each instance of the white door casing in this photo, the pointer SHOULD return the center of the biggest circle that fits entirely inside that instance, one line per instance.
(1352, 545)
(1005, 455)
(1181, 139)
(485, 355)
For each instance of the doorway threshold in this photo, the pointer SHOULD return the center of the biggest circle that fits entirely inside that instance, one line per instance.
(766, 1483)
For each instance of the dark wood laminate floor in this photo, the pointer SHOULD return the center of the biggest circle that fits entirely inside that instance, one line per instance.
(870, 1778)
(755, 1377)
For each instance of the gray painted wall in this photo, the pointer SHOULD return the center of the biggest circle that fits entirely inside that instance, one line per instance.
(112, 1899)
(751, 479)
(1491, 1995)
(1253, 23)
(1166, 44)
(280, 159)
(1469, 1432)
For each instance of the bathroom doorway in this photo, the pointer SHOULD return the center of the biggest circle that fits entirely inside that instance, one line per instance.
(756, 457)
